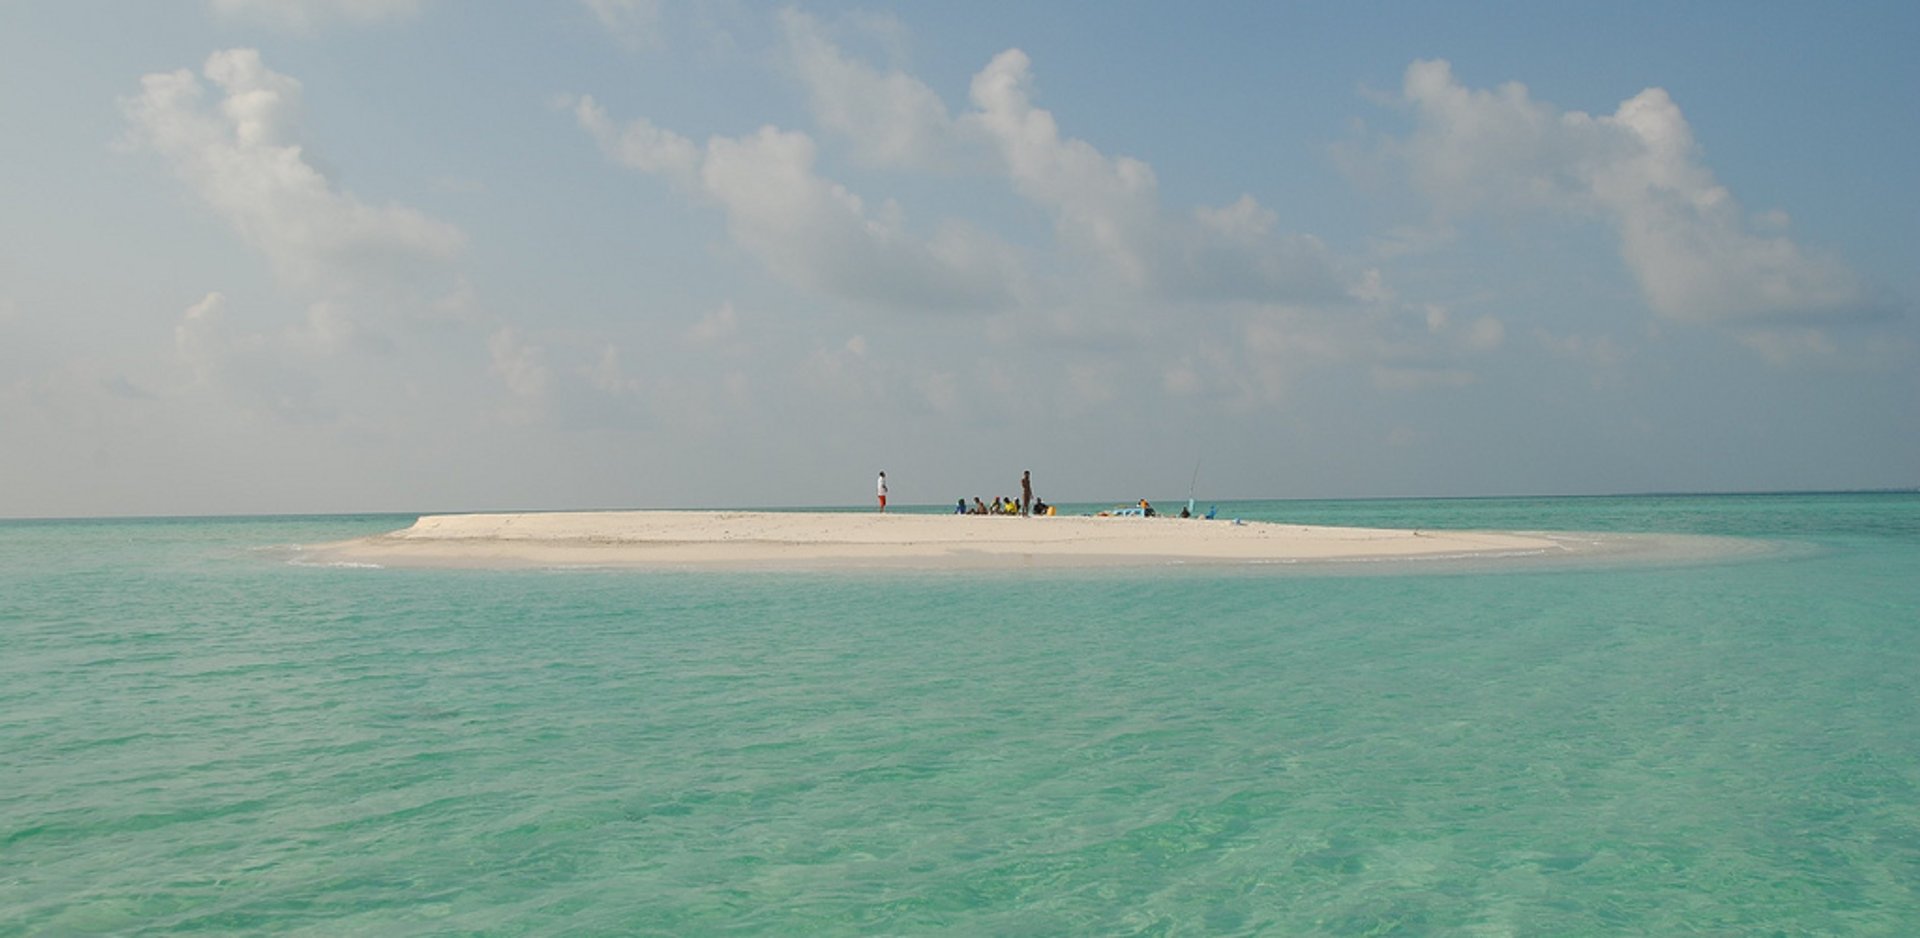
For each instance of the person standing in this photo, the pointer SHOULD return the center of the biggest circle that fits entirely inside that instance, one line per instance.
(883, 492)
(1026, 493)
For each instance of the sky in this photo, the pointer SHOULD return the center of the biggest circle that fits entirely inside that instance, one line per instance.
(305, 256)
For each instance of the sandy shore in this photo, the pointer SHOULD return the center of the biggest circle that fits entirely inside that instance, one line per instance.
(821, 540)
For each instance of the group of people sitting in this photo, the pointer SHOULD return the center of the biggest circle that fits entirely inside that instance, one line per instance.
(1000, 506)
(1027, 505)
(1008, 506)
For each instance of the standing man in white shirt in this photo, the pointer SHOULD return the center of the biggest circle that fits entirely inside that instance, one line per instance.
(883, 492)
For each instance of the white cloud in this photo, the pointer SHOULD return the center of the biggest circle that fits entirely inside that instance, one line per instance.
(362, 286)
(1215, 302)
(303, 15)
(1105, 209)
(817, 233)
(810, 230)
(242, 157)
(640, 145)
(1695, 253)
(891, 118)
(1104, 206)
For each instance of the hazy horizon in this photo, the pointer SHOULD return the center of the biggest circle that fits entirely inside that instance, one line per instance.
(1170, 504)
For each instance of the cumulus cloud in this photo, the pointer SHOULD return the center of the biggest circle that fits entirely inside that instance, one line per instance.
(302, 15)
(1216, 302)
(815, 232)
(362, 283)
(808, 229)
(241, 154)
(1696, 254)
(1104, 208)
(640, 145)
(891, 118)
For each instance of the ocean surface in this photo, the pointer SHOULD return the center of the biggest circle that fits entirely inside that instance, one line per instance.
(200, 734)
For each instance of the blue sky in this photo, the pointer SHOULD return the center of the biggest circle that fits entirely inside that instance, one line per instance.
(418, 255)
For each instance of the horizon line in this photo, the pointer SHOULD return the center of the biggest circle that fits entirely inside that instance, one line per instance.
(938, 507)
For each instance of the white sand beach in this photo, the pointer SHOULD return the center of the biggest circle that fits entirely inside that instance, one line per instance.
(847, 540)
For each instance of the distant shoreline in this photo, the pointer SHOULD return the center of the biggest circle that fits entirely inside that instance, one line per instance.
(871, 540)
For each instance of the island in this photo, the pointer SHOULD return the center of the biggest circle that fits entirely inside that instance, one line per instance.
(874, 540)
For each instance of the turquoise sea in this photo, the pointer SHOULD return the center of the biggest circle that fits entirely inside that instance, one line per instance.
(199, 734)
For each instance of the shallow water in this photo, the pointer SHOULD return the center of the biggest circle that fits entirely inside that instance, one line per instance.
(196, 735)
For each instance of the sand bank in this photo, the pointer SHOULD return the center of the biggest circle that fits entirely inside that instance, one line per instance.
(823, 540)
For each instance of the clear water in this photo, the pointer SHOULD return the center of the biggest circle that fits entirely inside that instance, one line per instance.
(196, 735)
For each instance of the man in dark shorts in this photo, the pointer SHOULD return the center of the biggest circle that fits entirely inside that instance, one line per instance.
(1026, 492)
